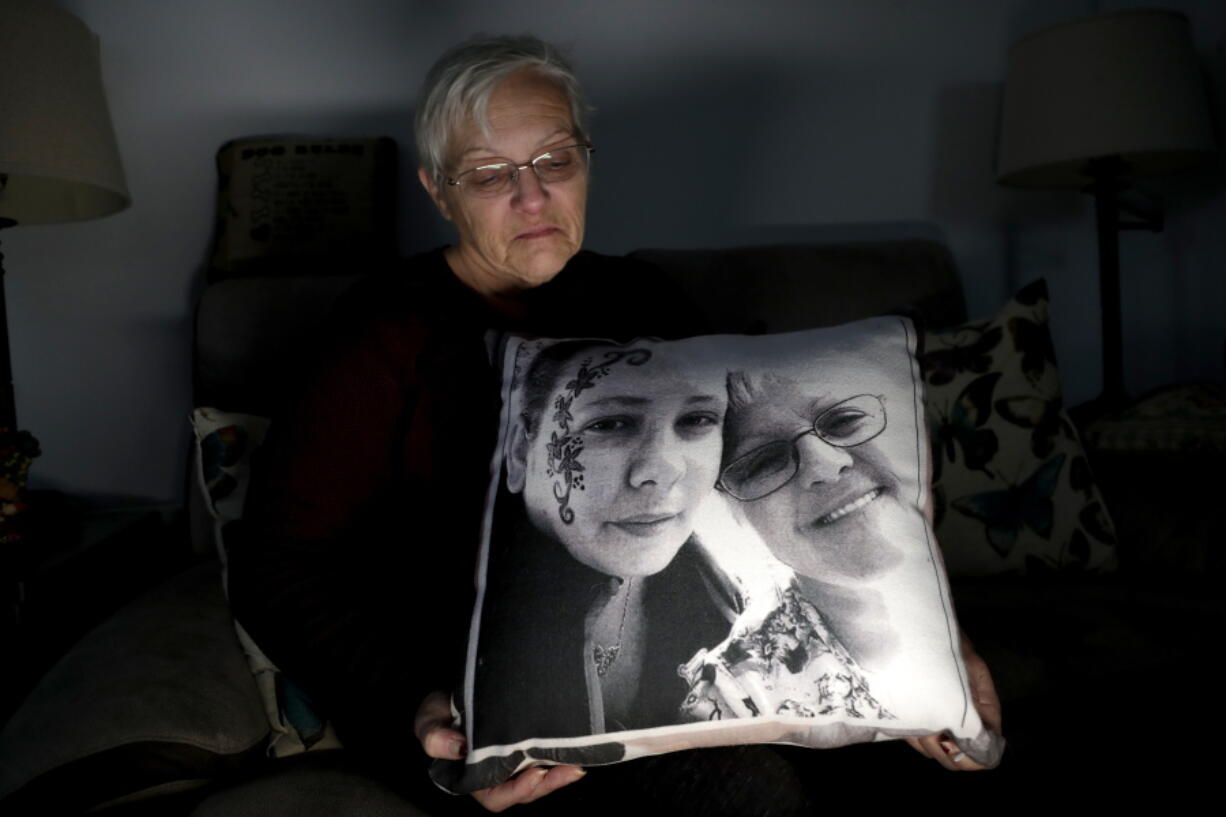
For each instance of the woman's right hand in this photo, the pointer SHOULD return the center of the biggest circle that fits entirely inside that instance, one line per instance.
(439, 740)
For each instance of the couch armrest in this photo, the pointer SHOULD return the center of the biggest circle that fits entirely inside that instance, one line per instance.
(159, 697)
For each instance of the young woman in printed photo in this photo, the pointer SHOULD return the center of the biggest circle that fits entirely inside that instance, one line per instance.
(596, 580)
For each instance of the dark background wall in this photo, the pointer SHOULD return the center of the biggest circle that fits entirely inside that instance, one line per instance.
(717, 121)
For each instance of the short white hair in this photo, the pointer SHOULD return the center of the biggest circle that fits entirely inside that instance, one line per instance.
(460, 83)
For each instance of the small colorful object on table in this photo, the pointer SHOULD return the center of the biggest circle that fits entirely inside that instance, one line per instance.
(17, 450)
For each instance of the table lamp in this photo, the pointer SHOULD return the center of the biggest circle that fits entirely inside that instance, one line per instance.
(58, 162)
(1091, 105)
(58, 158)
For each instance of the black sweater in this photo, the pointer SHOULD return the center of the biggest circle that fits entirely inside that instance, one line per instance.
(354, 569)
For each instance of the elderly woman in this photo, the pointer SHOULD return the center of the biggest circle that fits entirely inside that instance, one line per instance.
(354, 573)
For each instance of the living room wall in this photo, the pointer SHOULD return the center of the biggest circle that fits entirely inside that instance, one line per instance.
(718, 121)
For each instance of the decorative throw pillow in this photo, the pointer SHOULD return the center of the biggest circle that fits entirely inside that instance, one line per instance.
(291, 205)
(1012, 486)
(706, 542)
(225, 443)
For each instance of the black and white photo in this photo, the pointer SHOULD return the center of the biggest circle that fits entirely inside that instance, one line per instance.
(596, 589)
(715, 540)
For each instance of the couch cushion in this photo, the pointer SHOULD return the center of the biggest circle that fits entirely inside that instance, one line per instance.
(158, 697)
(258, 338)
(784, 288)
(316, 785)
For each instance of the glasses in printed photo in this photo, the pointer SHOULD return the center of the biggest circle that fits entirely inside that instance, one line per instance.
(769, 467)
(556, 166)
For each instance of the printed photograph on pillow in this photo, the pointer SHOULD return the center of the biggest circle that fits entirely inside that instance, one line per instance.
(1013, 488)
(710, 541)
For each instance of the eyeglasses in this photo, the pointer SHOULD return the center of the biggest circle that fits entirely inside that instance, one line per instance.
(769, 467)
(558, 165)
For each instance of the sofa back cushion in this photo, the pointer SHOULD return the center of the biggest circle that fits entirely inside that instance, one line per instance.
(784, 288)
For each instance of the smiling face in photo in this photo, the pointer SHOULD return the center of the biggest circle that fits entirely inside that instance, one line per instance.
(626, 449)
(832, 519)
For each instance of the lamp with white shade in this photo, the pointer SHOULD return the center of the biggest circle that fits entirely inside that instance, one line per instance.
(59, 161)
(1093, 104)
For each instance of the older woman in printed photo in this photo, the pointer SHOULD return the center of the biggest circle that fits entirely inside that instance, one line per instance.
(823, 459)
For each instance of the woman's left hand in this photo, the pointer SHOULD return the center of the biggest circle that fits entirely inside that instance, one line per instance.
(439, 740)
(941, 748)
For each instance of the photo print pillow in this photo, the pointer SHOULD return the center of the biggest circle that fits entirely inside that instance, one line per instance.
(710, 541)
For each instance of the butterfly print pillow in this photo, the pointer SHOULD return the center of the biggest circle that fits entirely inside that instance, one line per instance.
(1012, 488)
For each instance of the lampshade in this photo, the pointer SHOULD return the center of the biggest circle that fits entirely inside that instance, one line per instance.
(57, 146)
(1124, 84)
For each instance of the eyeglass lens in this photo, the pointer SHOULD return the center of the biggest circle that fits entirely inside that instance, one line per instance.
(768, 468)
(556, 166)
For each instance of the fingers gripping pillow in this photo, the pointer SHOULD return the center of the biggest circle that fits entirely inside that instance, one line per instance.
(710, 541)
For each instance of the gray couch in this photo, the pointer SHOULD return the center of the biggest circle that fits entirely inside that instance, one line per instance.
(156, 711)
